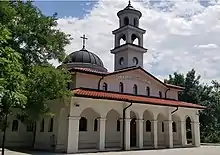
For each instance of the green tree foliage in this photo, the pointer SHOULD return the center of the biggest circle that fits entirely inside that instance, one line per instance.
(34, 35)
(12, 80)
(206, 95)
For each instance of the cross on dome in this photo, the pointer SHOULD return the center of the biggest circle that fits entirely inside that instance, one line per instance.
(84, 40)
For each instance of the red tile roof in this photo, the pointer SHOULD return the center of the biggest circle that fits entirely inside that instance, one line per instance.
(98, 94)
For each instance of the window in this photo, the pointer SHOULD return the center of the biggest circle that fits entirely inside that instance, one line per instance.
(30, 127)
(50, 129)
(148, 91)
(96, 125)
(174, 126)
(42, 126)
(118, 125)
(83, 124)
(105, 86)
(121, 61)
(15, 126)
(160, 94)
(135, 89)
(162, 127)
(148, 126)
(126, 21)
(121, 87)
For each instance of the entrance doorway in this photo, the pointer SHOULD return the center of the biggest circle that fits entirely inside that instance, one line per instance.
(133, 132)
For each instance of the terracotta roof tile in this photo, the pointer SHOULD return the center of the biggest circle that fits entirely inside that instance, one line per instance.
(84, 92)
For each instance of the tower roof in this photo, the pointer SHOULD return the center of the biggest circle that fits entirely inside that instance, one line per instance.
(129, 9)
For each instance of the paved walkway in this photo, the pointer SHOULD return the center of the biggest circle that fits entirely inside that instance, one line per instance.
(203, 150)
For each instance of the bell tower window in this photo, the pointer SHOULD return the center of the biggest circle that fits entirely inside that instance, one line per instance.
(126, 21)
(121, 61)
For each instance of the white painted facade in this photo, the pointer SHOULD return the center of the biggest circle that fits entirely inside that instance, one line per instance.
(146, 125)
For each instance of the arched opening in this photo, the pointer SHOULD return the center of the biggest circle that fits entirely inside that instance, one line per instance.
(176, 127)
(126, 21)
(88, 136)
(160, 130)
(50, 128)
(148, 91)
(113, 132)
(14, 126)
(136, 24)
(135, 89)
(105, 86)
(135, 39)
(148, 133)
(133, 130)
(121, 87)
(42, 125)
(122, 40)
(160, 94)
(188, 131)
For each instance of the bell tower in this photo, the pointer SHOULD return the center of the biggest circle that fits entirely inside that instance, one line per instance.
(128, 54)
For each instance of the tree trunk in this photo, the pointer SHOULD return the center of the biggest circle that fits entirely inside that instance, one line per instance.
(34, 134)
(4, 134)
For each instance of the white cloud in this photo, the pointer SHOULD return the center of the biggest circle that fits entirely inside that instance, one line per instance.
(179, 35)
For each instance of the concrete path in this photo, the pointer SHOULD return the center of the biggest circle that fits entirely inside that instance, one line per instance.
(203, 150)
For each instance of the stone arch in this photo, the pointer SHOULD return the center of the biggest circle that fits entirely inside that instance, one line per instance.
(160, 129)
(148, 116)
(176, 129)
(112, 135)
(121, 39)
(89, 138)
(135, 39)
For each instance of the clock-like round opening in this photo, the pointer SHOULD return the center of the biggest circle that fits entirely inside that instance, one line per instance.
(121, 61)
(135, 61)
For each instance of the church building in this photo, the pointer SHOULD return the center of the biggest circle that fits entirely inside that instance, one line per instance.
(126, 109)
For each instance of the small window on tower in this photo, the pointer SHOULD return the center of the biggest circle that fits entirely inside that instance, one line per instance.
(121, 61)
(126, 21)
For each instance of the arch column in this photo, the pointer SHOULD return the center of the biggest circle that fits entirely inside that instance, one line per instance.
(140, 132)
(155, 139)
(102, 133)
(127, 134)
(73, 134)
(183, 133)
(121, 131)
(168, 133)
(196, 133)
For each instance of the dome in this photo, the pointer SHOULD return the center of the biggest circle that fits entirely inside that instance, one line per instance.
(84, 58)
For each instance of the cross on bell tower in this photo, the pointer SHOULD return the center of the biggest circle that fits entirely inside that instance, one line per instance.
(84, 40)
(131, 52)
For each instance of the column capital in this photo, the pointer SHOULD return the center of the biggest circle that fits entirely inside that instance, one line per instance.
(139, 120)
(102, 119)
(127, 119)
(168, 121)
(154, 121)
(73, 118)
(195, 123)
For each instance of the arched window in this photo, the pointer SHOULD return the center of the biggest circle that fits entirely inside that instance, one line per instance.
(174, 126)
(162, 127)
(135, 89)
(136, 22)
(135, 39)
(105, 86)
(148, 126)
(42, 126)
(121, 87)
(30, 127)
(126, 21)
(96, 124)
(50, 129)
(148, 91)
(160, 94)
(83, 124)
(118, 125)
(15, 126)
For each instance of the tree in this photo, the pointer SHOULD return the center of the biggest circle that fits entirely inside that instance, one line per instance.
(44, 83)
(34, 35)
(12, 81)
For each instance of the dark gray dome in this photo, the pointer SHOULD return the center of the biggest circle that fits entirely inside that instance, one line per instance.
(84, 56)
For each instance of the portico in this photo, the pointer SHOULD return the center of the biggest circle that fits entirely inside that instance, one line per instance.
(100, 128)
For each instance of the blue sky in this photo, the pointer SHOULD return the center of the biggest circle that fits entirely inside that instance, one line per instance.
(65, 8)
